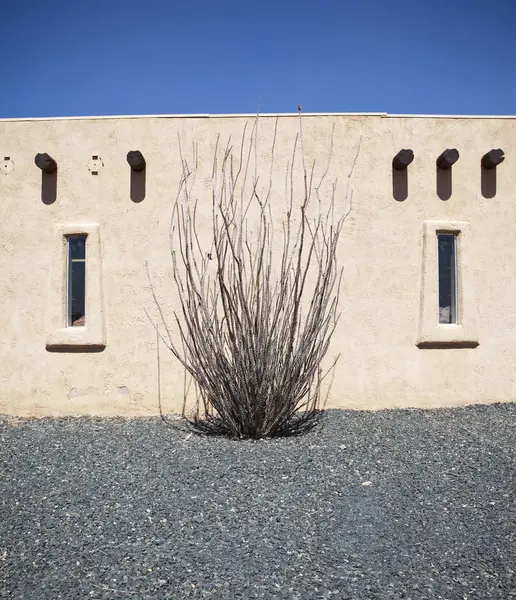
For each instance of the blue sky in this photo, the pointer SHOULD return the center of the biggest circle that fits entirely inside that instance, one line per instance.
(71, 57)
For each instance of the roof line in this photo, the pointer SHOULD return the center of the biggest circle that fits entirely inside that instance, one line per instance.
(190, 116)
(428, 116)
(247, 115)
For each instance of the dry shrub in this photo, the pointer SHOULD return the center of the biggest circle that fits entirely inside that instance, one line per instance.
(257, 308)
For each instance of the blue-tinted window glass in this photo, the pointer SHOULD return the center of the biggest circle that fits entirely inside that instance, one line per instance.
(447, 259)
(76, 301)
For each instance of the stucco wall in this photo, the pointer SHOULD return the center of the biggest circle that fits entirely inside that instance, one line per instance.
(381, 249)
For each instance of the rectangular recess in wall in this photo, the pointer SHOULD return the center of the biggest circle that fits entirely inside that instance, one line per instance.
(75, 317)
(447, 304)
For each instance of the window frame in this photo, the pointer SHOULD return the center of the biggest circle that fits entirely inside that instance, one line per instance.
(454, 303)
(92, 335)
(69, 282)
(430, 332)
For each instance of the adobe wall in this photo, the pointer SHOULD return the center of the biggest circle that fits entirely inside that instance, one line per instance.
(388, 288)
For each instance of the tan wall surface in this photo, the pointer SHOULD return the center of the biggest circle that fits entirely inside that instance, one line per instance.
(381, 250)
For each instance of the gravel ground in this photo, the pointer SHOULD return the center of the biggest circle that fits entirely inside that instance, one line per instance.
(406, 504)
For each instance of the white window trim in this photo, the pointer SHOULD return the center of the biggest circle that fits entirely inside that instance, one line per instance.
(430, 332)
(92, 335)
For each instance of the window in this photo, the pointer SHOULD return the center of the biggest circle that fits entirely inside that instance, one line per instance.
(447, 268)
(75, 315)
(448, 296)
(76, 298)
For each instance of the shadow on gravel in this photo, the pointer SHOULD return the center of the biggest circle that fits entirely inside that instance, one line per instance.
(372, 505)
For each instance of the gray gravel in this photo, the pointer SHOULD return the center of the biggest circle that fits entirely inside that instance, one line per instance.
(396, 504)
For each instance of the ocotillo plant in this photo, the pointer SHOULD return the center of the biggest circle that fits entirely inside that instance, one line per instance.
(258, 302)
